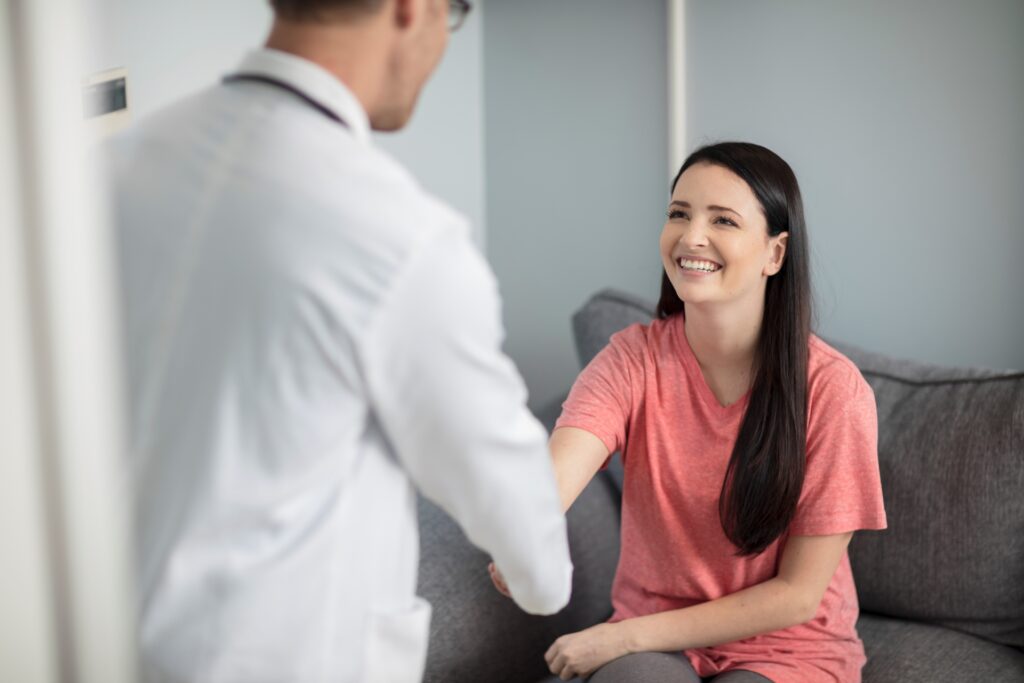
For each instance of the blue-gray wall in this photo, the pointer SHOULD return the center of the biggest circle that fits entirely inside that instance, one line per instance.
(443, 145)
(904, 122)
(174, 48)
(170, 49)
(547, 122)
(576, 158)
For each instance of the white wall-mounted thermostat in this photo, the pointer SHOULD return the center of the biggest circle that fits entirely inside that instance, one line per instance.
(105, 102)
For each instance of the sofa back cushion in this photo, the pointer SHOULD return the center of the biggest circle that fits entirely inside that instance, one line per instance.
(951, 455)
(603, 315)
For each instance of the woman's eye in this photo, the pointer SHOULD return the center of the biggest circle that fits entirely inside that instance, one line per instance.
(676, 213)
(723, 219)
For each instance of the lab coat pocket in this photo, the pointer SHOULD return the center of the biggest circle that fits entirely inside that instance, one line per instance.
(396, 644)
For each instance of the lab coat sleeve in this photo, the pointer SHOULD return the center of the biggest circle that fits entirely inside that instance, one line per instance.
(453, 407)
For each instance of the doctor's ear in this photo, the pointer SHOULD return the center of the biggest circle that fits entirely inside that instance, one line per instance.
(778, 253)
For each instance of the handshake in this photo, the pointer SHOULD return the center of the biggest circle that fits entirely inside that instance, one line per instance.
(576, 654)
(498, 580)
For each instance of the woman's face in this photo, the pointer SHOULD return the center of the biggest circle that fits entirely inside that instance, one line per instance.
(715, 244)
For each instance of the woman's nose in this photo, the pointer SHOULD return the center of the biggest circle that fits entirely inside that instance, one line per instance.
(694, 235)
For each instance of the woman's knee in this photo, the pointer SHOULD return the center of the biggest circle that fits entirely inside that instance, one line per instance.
(646, 667)
(740, 676)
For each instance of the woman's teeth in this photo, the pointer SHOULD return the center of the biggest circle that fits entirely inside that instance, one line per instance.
(705, 266)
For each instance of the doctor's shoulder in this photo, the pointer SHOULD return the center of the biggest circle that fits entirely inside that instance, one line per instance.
(386, 196)
(170, 128)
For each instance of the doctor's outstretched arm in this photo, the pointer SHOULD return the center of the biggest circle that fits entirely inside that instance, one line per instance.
(577, 455)
(454, 408)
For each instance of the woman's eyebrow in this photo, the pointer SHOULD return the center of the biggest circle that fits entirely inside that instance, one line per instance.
(711, 207)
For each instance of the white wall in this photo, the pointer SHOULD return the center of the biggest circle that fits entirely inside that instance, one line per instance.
(174, 48)
(905, 125)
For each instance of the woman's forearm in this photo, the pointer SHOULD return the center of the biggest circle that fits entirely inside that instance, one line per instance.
(571, 479)
(576, 456)
(766, 607)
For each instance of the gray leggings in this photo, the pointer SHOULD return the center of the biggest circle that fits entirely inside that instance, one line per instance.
(663, 667)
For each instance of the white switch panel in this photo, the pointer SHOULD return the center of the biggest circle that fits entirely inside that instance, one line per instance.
(105, 102)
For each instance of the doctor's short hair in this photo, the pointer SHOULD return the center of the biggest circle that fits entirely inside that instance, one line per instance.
(324, 10)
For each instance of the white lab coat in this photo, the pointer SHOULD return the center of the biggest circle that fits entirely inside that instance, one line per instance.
(310, 337)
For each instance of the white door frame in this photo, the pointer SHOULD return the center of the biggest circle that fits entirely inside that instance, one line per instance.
(66, 595)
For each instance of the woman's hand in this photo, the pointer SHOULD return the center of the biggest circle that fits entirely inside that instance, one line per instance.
(498, 580)
(583, 653)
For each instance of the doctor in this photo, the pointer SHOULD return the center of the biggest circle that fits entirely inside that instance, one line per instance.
(311, 337)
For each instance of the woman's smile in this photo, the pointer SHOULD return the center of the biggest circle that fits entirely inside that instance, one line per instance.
(697, 269)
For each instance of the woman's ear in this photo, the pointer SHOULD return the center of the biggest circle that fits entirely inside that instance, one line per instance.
(778, 253)
(405, 12)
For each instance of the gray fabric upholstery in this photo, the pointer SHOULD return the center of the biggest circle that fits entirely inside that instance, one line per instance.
(603, 315)
(476, 634)
(901, 651)
(951, 452)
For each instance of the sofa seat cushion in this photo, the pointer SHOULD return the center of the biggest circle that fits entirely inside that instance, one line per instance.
(900, 651)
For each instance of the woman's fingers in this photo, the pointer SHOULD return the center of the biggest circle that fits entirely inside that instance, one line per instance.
(498, 580)
(558, 663)
(558, 667)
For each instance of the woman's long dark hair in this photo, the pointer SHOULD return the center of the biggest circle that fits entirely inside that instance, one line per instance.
(766, 472)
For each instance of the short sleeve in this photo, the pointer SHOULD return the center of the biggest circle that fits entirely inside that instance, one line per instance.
(842, 488)
(603, 397)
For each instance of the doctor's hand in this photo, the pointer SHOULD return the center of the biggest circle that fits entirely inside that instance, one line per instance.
(498, 580)
(583, 653)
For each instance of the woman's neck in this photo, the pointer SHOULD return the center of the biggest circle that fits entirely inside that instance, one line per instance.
(724, 338)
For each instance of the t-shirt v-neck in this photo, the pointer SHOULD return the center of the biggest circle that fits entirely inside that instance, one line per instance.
(696, 376)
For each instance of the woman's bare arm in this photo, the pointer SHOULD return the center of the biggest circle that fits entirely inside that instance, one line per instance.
(791, 597)
(577, 455)
(807, 566)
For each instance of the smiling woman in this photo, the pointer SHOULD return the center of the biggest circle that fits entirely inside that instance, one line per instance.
(764, 283)
(748, 447)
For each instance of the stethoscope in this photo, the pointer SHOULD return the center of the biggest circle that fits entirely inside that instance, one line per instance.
(270, 80)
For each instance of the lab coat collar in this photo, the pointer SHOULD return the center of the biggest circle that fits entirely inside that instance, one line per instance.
(314, 81)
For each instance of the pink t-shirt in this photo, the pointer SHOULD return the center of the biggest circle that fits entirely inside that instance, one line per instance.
(644, 395)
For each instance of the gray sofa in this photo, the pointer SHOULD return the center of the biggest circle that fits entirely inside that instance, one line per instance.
(941, 591)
